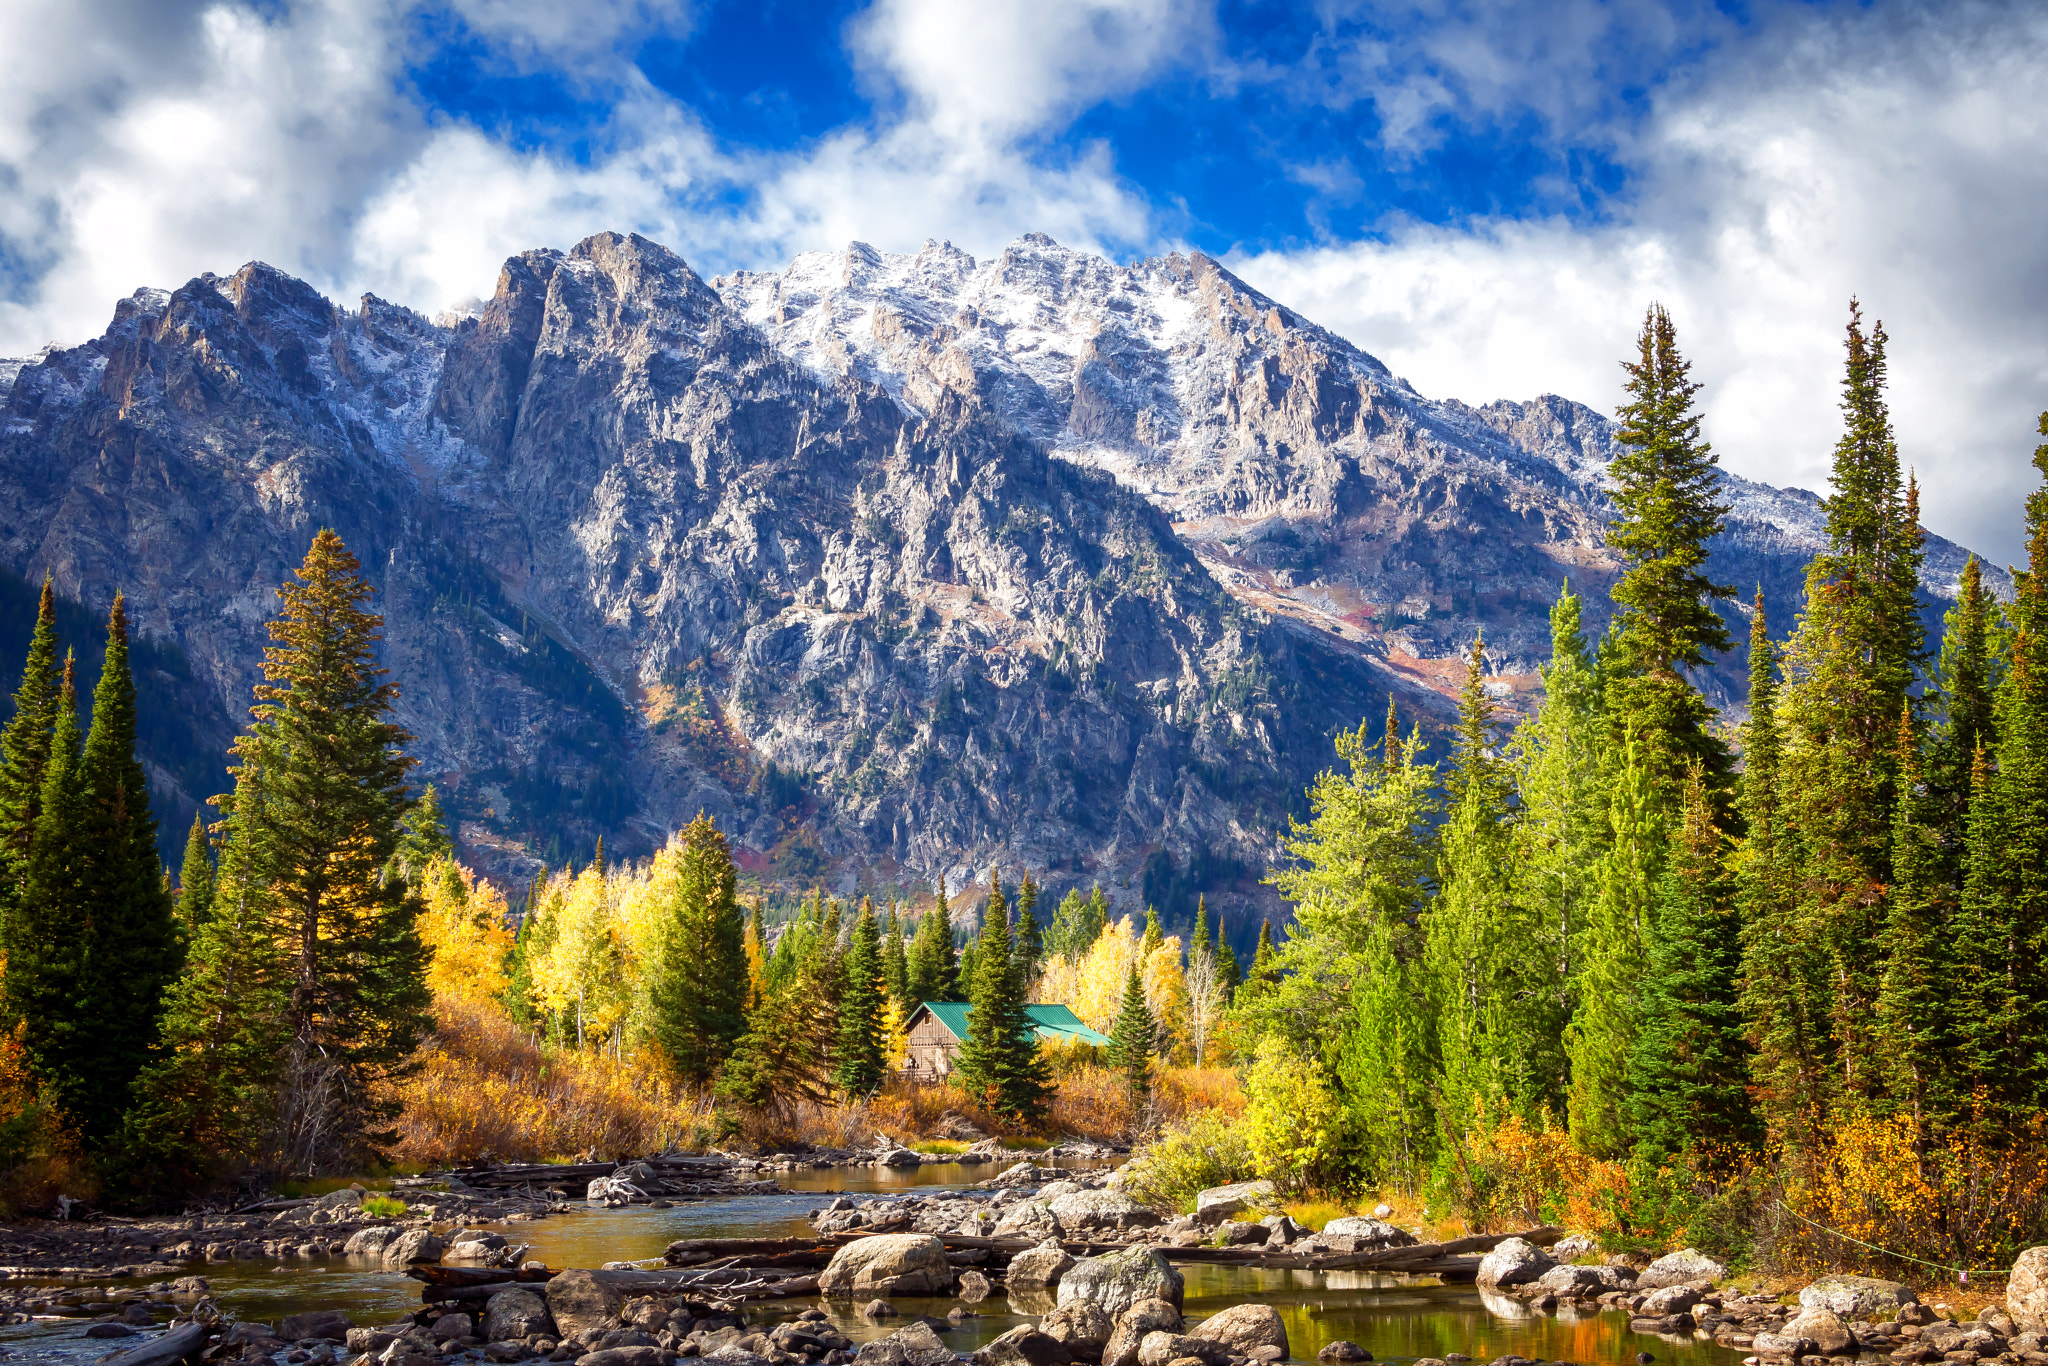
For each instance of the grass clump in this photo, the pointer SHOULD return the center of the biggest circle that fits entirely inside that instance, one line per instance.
(383, 1207)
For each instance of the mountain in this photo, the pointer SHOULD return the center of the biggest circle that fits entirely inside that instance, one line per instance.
(898, 565)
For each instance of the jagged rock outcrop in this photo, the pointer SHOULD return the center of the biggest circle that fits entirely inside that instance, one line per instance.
(891, 563)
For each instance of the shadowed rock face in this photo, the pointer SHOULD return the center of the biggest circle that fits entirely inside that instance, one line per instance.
(1039, 559)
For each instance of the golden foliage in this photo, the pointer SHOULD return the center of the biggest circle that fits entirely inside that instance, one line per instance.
(41, 1156)
(464, 924)
(1092, 986)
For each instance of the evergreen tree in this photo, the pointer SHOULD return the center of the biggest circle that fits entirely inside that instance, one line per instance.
(999, 1060)
(1959, 699)
(1130, 1038)
(896, 965)
(195, 880)
(1688, 1068)
(1988, 1006)
(121, 911)
(1227, 974)
(1030, 942)
(1154, 936)
(781, 1057)
(1667, 486)
(697, 998)
(25, 757)
(1264, 959)
(1912, 999)
(1618, 933)
(423, 840)
(859, 1063)
(47, 980)
(1198, 937)
(319, 794)
(1077, 924)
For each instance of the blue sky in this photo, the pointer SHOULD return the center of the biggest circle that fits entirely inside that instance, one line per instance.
(1485, 195)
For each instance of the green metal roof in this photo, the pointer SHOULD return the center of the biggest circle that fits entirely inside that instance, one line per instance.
(1055, 1022)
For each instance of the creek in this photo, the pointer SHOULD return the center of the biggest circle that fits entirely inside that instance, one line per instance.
(1396, 1318)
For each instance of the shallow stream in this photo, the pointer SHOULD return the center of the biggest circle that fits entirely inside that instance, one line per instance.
(1396, 1318)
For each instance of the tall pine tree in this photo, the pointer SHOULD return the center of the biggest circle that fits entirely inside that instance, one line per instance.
(1130, 1037)
(858, 1059)
(698, 993)
(195, 879)
(999, 1060)
(25, 756)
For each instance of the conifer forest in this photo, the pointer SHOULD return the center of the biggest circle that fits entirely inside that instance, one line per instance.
(1768, 981)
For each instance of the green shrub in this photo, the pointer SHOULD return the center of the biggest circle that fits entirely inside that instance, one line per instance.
(1293, 1120)
(383, 1207)
(1187, 1158)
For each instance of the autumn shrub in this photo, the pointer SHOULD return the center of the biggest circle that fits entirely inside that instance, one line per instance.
(1098, 1103)
(1502, 1172)
(1203, 1149)
(41, 1157)
(1294, 1120)
(1885, 1193)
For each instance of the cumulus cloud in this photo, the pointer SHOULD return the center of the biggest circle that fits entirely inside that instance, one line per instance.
(1894, 155)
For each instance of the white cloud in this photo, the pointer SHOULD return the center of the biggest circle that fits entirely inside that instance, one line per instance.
(1896, 155)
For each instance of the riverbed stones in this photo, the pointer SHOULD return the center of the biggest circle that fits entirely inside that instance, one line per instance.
(914, 1344)
(627, 1356)
(974, 1287)
(1824, 1329)
(369, 1242)
(581, 1305)
(1576, 1280)
(1242, 1327)
(1218, 1203)
(1024, 1346)
(889, 1264)
(1082, 1326)
(1102, 1211)
(1677, 1268)
(1028, 1219)
(331, 1324)
(2026, 1291)
(899, 1157)
(1162, 1349)
(1118, 1280)
(1343, 1350)
(1361, 1234)
(1513, 1261)
(516, 1313)
(1134, 1325)
(414, 1245)
(1857, 1297)
(877, 1310)
(1039, 1266)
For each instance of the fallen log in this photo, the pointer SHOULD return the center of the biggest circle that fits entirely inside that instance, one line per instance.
(175, 1345)
(435, 1274)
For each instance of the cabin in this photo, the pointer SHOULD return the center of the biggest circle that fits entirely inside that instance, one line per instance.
(937, 1029)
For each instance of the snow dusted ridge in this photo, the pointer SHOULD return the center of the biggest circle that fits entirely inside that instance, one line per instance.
(1135, 370)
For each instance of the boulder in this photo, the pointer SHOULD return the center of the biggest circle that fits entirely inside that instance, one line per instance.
(1028, 1219)
(1576, 1280)
(1672, 1299)
(1134, 1325)
(625, 1356)
(1160, 1349)
(1857, 1297)
(1118, 1280)
(1102, 1211)
(974, 1287)
(320, 1323)
(1573, 1246)
(1823, 1328)
(1377, 1233)
(889, 1264)
(732, 1354)
(372, 1340)
(1243, 1327)
(1221, 1202)
(2026, 1291)
(1678, 1268)
(369, 1242)
(516, 1314)
(414, 1245)
(878, 1309)
(1082, 1326)
(914, 1344)
(1023, 1174)
(1514, 1261)
(110, 1330)
(1342, 1350)
(581, 1304)
(1039, 1266)
(1024, 1346)
(1282, 1229)
(1237, 1233)
(899, 1157)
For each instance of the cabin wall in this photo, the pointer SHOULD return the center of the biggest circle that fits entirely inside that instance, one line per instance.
(932, 1049)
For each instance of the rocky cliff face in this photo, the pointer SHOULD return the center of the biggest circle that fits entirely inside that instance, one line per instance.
(894, 564)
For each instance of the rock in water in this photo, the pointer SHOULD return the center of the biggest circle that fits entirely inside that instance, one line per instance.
(974, 1287)
(1162, 1349)
(1039, 1266)
(415, 1245)
(914, 1344)
(516, 1314)
(1118, 1280)
(368, 1242)
(1082, 1326)
(1243, 1327)
(1024, 1346)
(581, 1305)
(889, 1264)
(1372, 1234)
(1677, 1268)
(1134, 1325)
(1513, 1261)
(1824, 1329)
(1102, 1211)
(1857, 1297)
(1343, 1350)
(320, 1323)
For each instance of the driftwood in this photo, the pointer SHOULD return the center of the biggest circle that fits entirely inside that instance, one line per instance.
(175, 1345)
(543, 1174)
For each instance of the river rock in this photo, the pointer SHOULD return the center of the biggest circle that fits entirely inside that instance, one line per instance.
(899, 1157)
(1039, 1266)
(1825, 1329)
(974, 1287)
(1023, 1174)
(1574, 1245)
(1028, 1219)
(369, 1242)
(627, 1356)
(1282, 1229)
(1237, 1233)
(1118, 1280)
(320, 1323)
(914, 1344)
(1373, 1233)
(414, 1245)
(1671, 1299)
(1100, 1211)
(1158, 1349)
(1343, 1350)
(2026, 1291)
(1134, 1325)
(1024, 1346)
(889, 1264)
(1576, 1280)
(582, 1305)
(1220, 1202)
(1687, 1264)
(516, 1314)
(1857, 1297)
(1514, 1261)
(1243, 1327)
(1082, 1326)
